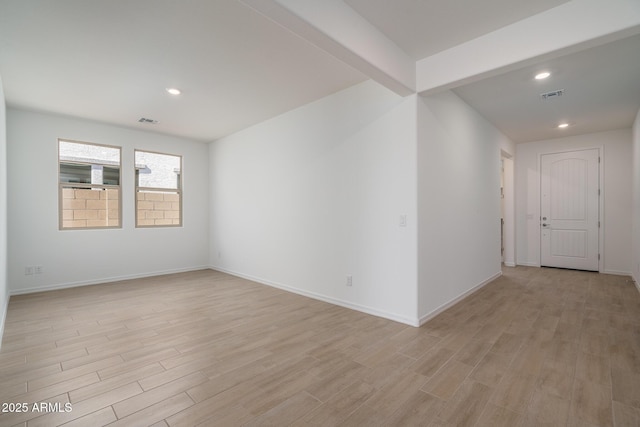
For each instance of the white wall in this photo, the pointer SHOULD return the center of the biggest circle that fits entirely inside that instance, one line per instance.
(76, 257)
(509, 213)
(635, 257)
(616, 216)
(458, 200)
(307, 198)
(4, 290)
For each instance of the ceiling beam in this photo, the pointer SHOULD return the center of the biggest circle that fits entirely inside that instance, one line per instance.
(336, 28)
(568, 28)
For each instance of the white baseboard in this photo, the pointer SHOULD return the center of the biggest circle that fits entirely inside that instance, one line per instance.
(616, 272)
(324, 298)
(509, 264)
(103, 280)
(424, 319)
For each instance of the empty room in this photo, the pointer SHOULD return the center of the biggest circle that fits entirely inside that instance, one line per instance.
(319, 212)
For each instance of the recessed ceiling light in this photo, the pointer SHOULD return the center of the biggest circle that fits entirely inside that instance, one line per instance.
(542, 76)
(173, 91)
(563, 125)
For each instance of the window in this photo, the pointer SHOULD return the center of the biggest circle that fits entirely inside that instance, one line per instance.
(89, 185)
(158, 189)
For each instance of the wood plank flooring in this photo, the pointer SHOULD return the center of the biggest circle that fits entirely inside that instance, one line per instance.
(535, 347)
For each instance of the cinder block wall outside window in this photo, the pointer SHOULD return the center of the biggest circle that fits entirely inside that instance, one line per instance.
(158, 208)
(90, 208)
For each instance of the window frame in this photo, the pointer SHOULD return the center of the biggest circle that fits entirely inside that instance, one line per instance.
(177, 190)
(105, 187)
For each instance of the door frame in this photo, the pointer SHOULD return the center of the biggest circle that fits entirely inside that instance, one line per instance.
(601, 230)
(509, 209)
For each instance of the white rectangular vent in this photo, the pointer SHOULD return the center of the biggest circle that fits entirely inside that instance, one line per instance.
(553, 94)
(145, 120)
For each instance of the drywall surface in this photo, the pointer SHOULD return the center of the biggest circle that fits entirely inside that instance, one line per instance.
(616, 178)
(77, 257)
(635, 236)
(4, 290)
(458, 201)
(306, 199)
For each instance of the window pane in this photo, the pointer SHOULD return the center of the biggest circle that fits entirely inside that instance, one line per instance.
(89, 174)
(71, 172)
(89, 185)
(90, 207)
(154, 170)
(157, 208)
(89, 153)
(158, 189)
(111, 176)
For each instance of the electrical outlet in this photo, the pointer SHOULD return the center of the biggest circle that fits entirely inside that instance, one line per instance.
(37, 269)
(349, 280)
(28, 271)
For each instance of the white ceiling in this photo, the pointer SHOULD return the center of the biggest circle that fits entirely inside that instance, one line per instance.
(601, 92)
(111, 60)
(425, 27)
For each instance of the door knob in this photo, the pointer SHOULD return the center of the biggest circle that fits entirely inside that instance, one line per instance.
(545, 225)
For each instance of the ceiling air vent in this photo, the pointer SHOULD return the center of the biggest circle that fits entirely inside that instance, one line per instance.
(553, 94)
(145, 120)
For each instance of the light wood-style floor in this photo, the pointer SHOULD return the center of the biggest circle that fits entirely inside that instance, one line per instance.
(535, 347)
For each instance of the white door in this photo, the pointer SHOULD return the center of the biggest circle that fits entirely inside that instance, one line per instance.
(569, 219)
